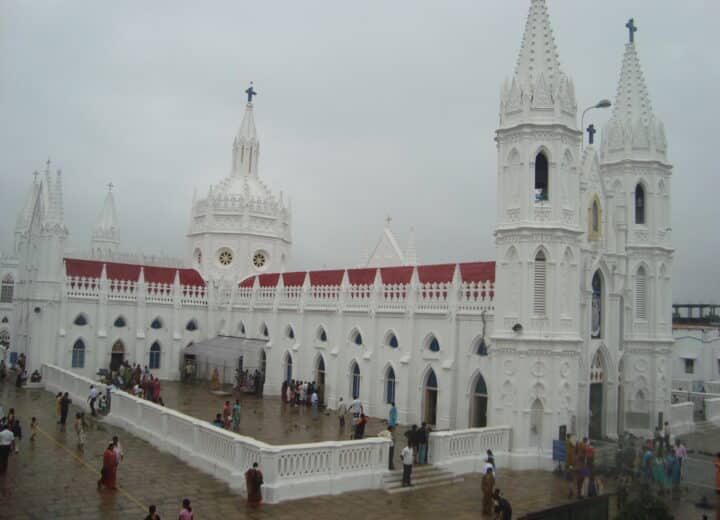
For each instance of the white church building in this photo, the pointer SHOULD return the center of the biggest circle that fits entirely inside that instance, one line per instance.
(569, 325)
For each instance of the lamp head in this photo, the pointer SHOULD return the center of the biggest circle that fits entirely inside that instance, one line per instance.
(603, 103)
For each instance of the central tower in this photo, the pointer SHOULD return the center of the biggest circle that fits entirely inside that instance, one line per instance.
(240, 228)
(537, 241)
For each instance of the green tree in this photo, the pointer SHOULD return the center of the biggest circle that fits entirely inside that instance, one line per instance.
(644, 505)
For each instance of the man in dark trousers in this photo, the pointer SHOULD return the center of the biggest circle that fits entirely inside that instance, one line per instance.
(64, 407)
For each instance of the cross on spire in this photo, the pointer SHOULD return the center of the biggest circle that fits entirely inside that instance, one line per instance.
(632, 29)
(47, 165)
(250, 93)
(110, 186)
(591, 133)
(388, 219)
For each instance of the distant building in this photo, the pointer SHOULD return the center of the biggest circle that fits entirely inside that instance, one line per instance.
(696, 353)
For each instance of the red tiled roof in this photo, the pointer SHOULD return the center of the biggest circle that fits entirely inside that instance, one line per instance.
(362, 276)
(477, 272)
(439, 273)
(131, 272)
(330, 277)
(269, 279)
(248, 282)
(396, 275)
(294, 279)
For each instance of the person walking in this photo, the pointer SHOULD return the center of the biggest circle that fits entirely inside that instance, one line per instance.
(92, 397)
(681, 454)
(117, 449)
(186, 511)
(108, 473)
(388, 434)
(16, 429)
(80, 430)
(422, 443)
(503, 509)
(152, 513)
(236, 416)
(341, 412)
(392, 416)
(34, 428)
(411, 438)
(226, 415)
(58, 398)
(64, 408)
(253, 484)
(6, 444)
(488, 486)
(407, 456)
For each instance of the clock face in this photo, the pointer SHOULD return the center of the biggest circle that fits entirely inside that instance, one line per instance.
(225, 257)
(259, 259)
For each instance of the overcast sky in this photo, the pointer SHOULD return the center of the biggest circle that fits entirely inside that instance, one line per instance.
(365, 109)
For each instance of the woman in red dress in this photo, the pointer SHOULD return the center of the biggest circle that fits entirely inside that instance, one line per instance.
(108, 474)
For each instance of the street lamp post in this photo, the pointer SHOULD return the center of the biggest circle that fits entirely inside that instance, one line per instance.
(603, 103)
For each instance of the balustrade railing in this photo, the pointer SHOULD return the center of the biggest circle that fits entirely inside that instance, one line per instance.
(476, 297)
(464, 451)
(433, 297)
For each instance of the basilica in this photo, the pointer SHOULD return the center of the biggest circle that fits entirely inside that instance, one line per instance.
(567, 328)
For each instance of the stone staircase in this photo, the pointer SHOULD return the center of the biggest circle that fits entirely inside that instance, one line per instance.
(422, 477)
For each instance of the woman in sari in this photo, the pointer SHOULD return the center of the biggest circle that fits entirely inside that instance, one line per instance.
(253, 481)
(488, 483)
(236, 416)
(108, 474)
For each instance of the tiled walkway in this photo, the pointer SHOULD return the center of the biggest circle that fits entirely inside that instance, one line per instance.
(50, 479)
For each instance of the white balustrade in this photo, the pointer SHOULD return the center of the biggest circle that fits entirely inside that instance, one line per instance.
(433, 297)
(393, 298)
(159, 293)
(82, 287)
(681, 418)
(476, 297)
(290, 472)
(122, 290)
(464, 451)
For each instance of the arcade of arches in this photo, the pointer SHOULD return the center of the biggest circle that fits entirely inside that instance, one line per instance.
(478, 397)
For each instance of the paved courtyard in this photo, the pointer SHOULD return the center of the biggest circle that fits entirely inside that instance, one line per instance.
(267, 419)
(51, 479)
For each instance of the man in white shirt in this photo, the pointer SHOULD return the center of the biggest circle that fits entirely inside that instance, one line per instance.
(92, 398)
(341, 412)
(387, 434)
(118, 450)
(6, 444)
(407, 459)
(356, 407)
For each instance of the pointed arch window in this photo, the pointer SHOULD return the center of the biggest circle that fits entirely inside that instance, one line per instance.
(539, 297)
(392, 340)
(433, 344)
(154, 361)
(241, 328)
(7, 288)
(356, 337)
(288, 368)
(191, 325)
(156, 324)
(264, 331)
(119, 322)
(639, 204)
(542, 178)
(597, 307)
(80, 320)
(641, 294)
(322, 335)
(5, 319)
(390, 385)
(289, 332)
(355, 381)
(78, 354)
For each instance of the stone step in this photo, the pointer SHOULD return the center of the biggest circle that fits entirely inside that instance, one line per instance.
(420, 483)
(417, 470)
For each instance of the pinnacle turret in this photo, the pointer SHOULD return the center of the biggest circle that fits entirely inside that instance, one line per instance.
(105, 235)
(539, 92)
(633, 129)
(246, 147)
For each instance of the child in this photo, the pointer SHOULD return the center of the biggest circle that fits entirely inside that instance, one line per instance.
(33, 429)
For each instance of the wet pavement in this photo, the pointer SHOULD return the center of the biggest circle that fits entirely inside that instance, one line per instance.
(265, 418)
(51, 479)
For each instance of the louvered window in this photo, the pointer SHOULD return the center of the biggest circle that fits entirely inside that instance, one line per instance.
(641, 294)
(540, 284)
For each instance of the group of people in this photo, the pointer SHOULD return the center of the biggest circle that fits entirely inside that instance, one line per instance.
(229, 418)
(249, 381)
(580, 469)
(300, 393)
(10, 437)
(417, 439)
(20, 369)
(139, 381)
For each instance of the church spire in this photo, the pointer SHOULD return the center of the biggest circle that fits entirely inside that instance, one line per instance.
(246, 147)
(105, 237)
(539, 91)
(633, 128)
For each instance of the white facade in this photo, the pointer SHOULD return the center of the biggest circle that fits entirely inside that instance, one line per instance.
(571, 326)
(696, 357)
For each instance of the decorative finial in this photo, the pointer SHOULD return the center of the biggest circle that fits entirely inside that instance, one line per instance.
(591, 133)
(388, 219)
(110, 186)
(632, 29)
(47, 165)
(250, 93)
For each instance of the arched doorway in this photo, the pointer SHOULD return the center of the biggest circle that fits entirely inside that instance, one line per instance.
(597, 389)
(390, 385)
(287, 367)
(117, 356)
(478, 403)
(320, 378)
(536, 423)
(430, 393)
(355, 381)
